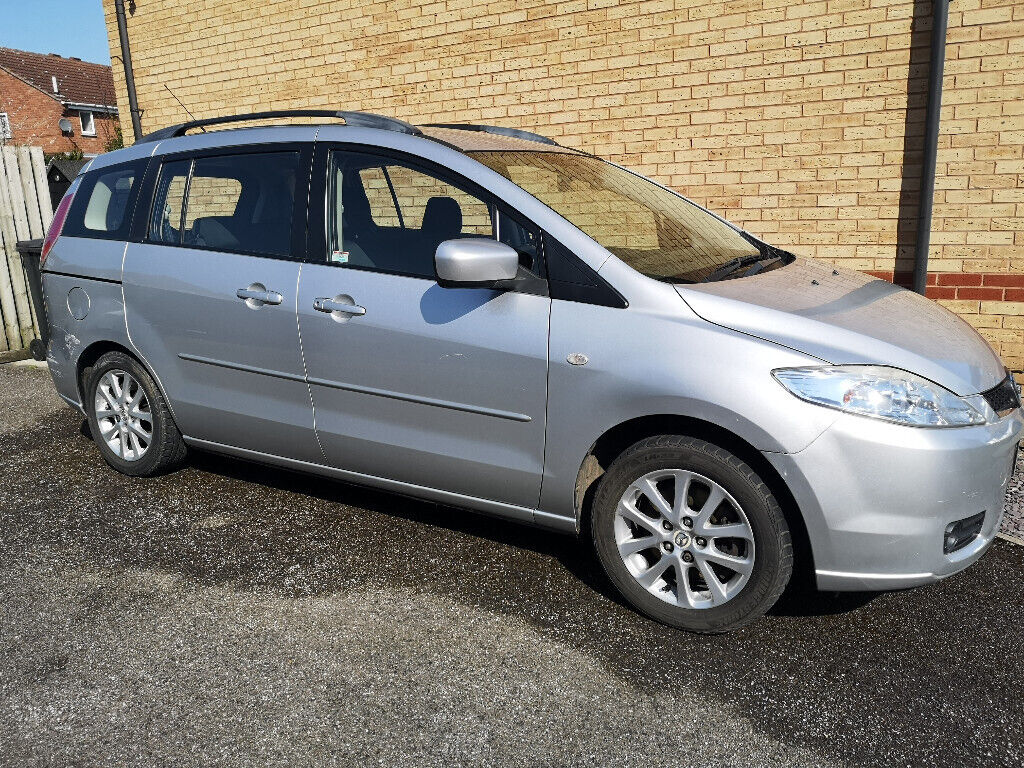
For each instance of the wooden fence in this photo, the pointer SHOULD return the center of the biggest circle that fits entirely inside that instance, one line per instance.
(25, 213)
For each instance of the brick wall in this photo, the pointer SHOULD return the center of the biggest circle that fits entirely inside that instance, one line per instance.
(799, 120)
(34, 115)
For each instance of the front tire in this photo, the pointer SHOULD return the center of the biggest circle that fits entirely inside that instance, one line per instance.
(129, 418)
(690, 535)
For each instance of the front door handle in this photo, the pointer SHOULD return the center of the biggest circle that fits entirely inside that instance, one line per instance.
(256, 295)
(323, 304)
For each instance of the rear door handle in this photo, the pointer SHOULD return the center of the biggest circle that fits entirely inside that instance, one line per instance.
(323, 304)
(256, 295)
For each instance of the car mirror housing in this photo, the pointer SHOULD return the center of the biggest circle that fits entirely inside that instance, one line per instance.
(474, 263)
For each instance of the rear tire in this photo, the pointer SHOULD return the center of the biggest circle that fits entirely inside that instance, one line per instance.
(662, 555)
(129, 418)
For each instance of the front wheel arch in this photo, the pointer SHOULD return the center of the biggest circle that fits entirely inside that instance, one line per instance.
(617, 439)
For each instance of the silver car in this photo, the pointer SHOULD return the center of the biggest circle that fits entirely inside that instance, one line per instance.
(481, 317)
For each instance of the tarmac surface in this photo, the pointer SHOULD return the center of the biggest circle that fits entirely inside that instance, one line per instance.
(1013, 519)
(230, 614)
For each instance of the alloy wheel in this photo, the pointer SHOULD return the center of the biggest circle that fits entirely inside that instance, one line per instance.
(684, 538)
(123, 415)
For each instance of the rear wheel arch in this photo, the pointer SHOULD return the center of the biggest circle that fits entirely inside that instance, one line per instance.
(95, 351)
(132, 405)
(617, 439)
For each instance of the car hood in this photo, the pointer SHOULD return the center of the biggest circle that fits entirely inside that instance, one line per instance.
(846, 317)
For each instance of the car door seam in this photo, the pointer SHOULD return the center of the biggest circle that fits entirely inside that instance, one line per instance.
(547, 420)
(131, 341)
(302, 357)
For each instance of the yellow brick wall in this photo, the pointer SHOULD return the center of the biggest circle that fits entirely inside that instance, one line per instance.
(799, 120)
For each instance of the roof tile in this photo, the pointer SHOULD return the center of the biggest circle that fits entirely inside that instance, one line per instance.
(78, 82)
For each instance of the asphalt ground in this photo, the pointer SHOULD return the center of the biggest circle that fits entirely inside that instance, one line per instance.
(1013, 520)
(230, 614)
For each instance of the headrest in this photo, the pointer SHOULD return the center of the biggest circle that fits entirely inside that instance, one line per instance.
(210, 232)
(442, 218)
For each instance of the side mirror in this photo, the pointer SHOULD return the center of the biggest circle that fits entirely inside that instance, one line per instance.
(474, 263)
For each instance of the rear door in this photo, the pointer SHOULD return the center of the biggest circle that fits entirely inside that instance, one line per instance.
(441, 388)
(210, 296)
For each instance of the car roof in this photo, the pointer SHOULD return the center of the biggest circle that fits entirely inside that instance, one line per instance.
(466, 139)
(478, 141)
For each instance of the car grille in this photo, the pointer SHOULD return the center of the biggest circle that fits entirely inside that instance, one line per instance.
(1003, 397)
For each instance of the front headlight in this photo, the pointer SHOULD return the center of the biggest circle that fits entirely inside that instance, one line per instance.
(880, 392)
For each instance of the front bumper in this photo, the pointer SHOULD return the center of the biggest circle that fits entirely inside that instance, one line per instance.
(877, 497)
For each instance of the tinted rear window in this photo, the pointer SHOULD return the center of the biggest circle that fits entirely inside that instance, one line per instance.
(103, 204)
(242, 203)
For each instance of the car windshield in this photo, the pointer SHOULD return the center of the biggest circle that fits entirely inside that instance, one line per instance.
(653, 230)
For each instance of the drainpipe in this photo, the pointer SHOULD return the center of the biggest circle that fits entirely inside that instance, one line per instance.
(129, 74)
(937, 58)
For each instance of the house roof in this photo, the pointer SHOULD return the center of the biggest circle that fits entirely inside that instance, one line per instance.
(78, 82)
(66, 166)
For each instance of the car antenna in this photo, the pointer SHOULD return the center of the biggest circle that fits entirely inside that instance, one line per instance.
(193, 117)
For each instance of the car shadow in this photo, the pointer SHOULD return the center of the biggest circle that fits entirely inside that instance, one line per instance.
(575, 553)
(572, 552)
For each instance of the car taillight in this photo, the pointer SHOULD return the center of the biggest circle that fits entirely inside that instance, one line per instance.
(57, 224)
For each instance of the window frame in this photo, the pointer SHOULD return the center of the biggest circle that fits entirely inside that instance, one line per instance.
(297, 236)
(74, 225)
(318, 238)
(92, 122)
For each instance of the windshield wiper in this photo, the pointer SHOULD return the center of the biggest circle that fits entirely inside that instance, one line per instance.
(671, 279)
(738, 263)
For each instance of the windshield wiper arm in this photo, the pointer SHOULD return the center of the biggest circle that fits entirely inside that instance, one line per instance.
(671, 278)
(738, 263)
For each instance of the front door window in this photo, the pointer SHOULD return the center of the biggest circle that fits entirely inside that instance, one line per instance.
(389, 217)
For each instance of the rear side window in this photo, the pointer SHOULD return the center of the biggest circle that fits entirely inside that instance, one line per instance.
(169, 203)
(242, 203)
(102, 206)
(211, 196)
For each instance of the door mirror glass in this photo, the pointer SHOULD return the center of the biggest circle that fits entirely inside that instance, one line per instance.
(474, 262)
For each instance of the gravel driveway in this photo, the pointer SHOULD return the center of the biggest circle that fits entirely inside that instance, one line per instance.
(230, 614)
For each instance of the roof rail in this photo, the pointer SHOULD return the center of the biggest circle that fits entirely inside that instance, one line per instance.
(361, 119)
(498, 130)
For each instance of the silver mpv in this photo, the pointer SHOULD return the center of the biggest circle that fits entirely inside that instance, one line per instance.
(481, 317)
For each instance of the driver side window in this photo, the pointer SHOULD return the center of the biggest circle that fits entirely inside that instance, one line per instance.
(390, 217)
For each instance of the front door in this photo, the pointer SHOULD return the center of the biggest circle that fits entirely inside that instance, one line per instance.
(210, 299)
(440, 388)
